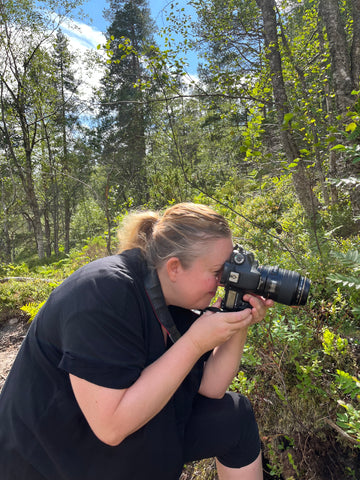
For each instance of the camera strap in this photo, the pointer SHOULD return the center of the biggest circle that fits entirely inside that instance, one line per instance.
(157, 300)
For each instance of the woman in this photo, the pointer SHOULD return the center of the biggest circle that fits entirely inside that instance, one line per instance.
(119, 378)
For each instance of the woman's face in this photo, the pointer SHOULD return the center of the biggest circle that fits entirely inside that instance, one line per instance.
(196, 285)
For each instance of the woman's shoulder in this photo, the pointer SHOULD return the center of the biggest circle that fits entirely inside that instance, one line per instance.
(129, 264)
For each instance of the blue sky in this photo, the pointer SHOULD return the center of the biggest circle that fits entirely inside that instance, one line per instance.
(94, 9)
(89, 31)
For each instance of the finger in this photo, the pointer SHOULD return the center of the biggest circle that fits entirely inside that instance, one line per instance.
(254, 300)
(239, 316)
(217, 303)
(259, 302)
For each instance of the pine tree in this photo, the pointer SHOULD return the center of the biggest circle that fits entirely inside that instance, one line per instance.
(124, 113)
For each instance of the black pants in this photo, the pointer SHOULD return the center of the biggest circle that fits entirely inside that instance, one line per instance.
(225, 429)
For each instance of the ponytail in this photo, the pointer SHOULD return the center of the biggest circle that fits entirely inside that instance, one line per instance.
(137, 229)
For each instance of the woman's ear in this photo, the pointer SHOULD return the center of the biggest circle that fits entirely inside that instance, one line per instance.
(173, 268)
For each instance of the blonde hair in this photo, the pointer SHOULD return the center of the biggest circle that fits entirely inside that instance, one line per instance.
(181, 231)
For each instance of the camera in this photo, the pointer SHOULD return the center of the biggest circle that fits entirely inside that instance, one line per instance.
(243, 274)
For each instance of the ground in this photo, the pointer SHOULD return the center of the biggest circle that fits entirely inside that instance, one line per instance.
(12, 333)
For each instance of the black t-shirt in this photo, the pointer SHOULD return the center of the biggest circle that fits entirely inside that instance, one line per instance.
(98, 325)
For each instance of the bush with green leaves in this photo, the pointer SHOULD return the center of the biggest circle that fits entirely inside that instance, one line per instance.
(349, 418)
(24, 288)
(290, 371)
(14, 294)
(349, 278)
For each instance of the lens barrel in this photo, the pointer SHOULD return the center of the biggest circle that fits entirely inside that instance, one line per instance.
(283, 286)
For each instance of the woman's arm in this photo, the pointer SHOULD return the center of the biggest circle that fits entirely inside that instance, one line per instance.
(113, 414)
(223, 364)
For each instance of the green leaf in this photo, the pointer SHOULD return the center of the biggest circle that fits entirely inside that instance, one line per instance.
(351, 127)
(287, 118)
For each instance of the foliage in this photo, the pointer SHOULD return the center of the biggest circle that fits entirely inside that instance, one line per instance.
(27, 288)
(350, 419)
(279, 160)
(32, 309)
(349, 281)
(15, 294)
(290, 363)
(296, 376)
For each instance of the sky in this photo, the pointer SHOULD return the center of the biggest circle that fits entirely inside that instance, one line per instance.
(89, 31)
(85, 35)
(94, 9)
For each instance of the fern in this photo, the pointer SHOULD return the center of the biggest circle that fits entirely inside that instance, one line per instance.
(349, 384)
(32, 309)
(345, 280)
(349, 420)
(350, 260)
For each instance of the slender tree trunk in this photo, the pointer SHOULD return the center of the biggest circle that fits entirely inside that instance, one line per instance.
(316, 141)
(7, 250)
(66, 167)
(355, 47)
(339, 53)
(330, 107)
(67, 219)
(47, 231)
(302, 182)
(345, 61)
(26, 175)
(38, 228)
(108, 215)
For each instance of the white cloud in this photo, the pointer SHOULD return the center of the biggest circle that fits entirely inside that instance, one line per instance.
(82, 36)
(83, 42)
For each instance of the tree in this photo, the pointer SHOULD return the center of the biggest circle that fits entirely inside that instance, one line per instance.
(38, 110)
(20, 96)
(66, 121)
(124, 114)
(302, 181)
(344, 48)
(278, 64)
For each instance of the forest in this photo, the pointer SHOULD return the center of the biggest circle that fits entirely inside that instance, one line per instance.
(267, 133)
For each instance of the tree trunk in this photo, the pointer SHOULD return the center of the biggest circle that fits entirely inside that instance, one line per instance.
(345, 62)
(355, 46)
(339, 53)
(67, 218)
(34, 206)
(108, 215)
(7, 250)
(301, 180)
(47, 231)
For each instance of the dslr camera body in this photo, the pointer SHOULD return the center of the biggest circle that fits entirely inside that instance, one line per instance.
(243, 274)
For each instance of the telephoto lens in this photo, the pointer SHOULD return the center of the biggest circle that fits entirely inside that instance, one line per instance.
(283, 286)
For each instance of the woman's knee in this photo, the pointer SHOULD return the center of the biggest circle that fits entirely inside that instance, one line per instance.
(243, 429)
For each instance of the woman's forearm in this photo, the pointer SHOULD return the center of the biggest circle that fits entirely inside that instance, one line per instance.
(222, 366)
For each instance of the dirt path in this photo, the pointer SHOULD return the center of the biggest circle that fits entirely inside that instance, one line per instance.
(12, 333)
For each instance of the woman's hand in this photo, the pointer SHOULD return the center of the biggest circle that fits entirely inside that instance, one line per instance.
(213, 329)
(260, 306)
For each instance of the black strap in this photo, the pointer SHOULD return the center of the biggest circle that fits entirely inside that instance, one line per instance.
(157, 300)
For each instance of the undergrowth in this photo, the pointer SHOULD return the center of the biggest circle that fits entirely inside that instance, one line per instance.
(300, 367)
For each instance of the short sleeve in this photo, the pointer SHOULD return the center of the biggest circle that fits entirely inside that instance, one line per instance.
(102, 331)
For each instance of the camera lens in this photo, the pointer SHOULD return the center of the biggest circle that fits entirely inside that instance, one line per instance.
(283, 286)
